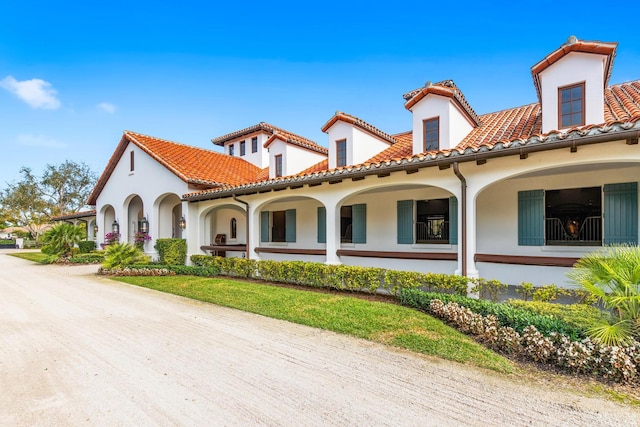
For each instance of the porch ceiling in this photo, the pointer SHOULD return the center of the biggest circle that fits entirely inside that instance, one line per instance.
(565, 170)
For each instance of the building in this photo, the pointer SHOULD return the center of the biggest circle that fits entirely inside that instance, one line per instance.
(514, 195)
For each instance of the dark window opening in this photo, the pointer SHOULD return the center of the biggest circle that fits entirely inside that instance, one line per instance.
(341, 153)
(234, 228)
(278, 160)
(231, 149)
(573, 217)
(254, 144)
(571, 105)
(242, 148)
(131, 162)
(432, 134)
(346, 224)
(278, 226)
(432, 221)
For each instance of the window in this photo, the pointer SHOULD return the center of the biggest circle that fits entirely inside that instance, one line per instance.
(431, 134)
(254, 144)
(341, 153)
(589, 216)
(436, 221)
(131, 161)
(231, 149)
(571, 105)
(234, 228)
(278, 161)
(278, 226)
(242, 149)
(353, 224)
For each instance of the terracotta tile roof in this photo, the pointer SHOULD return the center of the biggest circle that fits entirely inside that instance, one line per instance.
(402, 148)
(318, 167)
(348, 118)
(575, 45)
(263, 127)
(291, 138)
(622, 101)
(191, 164)
(444, 88)
(264, 174)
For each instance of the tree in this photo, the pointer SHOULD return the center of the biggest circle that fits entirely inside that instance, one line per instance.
(61, 239)
(32, 201)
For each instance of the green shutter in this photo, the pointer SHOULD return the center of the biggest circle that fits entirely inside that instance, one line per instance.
(453, 221)
(290, 225)
(405, 221)
(322, 224)
(359, 223)
(531, 218)
(264, 226)
(621, 213)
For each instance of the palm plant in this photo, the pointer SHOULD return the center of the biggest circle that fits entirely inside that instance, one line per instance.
(120, 255)
(60, 240)
(613, 275)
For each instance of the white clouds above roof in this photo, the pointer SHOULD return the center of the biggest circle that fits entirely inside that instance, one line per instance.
(36, 93)
(107, 107)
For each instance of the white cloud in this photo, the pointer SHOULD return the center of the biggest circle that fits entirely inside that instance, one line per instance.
(41, 141)
(107, 107)
(35, 92)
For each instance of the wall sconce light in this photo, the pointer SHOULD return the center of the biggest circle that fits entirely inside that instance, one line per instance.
(95, 229)
(182, 223)
(144, 225)
(115, 227)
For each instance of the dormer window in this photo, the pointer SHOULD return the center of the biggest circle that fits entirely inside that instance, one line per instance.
(278, 161)
(231, 149)
(431, 134)
(242, 148)
(341, 153)
(571, 105)
(254, 144)
(131, 161)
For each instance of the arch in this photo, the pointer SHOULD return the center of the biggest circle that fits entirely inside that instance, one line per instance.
(134, 214)
(168, 211)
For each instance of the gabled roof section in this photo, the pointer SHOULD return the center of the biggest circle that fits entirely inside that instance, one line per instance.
(348, 118)
(191, 164)
(290, 138)
(574, 45)
(402, 148)
(263, 127)
(445, 88)
(318, 167)
(76, 215)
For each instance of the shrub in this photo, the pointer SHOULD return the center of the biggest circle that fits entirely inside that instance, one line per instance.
(489, 289)
(60, 240)
(86, 246)
(172, 251)
(526, 290)
(578, 315)
(149, 269)
(120, 255)
(507, 315)
(90, 258)
(613, 276)
(549, 293)
(111, 238)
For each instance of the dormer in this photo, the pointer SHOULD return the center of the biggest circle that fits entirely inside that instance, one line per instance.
(570, 83)
(442, 118)
(290, 154)
(353, 141)
(247, 144)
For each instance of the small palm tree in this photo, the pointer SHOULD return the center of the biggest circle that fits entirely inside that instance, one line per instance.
(120, 255)
(613, 275)
(61, 239)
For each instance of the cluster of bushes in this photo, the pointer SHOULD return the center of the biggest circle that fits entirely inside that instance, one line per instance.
(171, 251)
(342, 277)
(617, 363)
(135, 271)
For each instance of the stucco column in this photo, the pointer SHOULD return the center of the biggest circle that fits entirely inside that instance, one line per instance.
(254, 231)
(472, 222)
(192, 230)
(333, 232)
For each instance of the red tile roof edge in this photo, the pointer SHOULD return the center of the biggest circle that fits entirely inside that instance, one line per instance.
(350, 119)
(82, 214)
(445, 88)
(315, 147)
(260, 127)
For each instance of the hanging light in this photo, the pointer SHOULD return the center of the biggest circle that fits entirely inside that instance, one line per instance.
(115, 227)
(144, 225)
(182, 223)
(95, 229)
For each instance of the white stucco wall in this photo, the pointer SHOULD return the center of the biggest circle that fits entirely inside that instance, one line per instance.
(260, 158)
(454, 126)
(149, 180)
(361, 146)
(295, 159)
(574, 68)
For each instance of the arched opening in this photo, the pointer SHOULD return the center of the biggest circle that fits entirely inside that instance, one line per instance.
(169, 214)
(135, 214)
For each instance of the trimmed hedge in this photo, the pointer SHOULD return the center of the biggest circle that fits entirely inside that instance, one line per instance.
(86, 246)
(343, 277)
(87, 258)
(579, 315)
(507, 315)
(171, 251)
(182, 270)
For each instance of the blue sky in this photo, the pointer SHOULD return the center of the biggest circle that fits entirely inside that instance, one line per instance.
(74, 75)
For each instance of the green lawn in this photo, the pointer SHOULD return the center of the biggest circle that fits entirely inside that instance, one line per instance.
(31, 256)
(375, 321)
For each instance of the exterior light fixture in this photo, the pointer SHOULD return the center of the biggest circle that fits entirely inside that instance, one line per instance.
(95, 229)
(182, 223)
(115, 227)
(144, 225)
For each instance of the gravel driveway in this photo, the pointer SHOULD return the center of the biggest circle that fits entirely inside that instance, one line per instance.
(76, 349)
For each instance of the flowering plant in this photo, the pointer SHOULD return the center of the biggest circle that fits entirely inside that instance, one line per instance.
(141, 238)
(111, 238)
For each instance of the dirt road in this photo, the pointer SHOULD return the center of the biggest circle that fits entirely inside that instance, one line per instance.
(80, 350)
